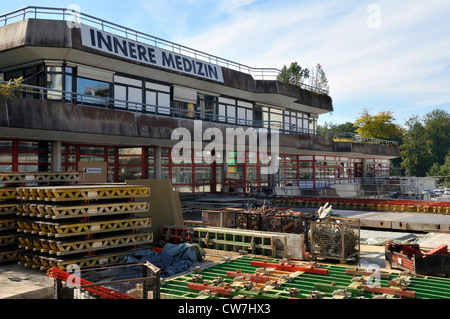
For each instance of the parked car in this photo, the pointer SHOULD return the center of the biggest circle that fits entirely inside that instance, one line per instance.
(438, 192)
(447, 191)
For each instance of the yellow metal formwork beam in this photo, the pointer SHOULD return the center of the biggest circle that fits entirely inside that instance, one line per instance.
(45, 262)
(8, 193)
(73, 193)
(39, 177)
(11, 255)
(60, 248)
(73, 211)
(81, 228)
(8, 238)
(8, 209)
(8, 224)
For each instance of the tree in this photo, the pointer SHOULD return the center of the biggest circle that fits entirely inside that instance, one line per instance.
(294, 74)
(379, 126)
(426, 143)
(347, 127)
(9, 90)
(415, 159)
(318, 80)
(437, 131)
(442, 172)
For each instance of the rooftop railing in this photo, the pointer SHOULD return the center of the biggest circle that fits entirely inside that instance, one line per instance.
(43, 93)
(75, 17)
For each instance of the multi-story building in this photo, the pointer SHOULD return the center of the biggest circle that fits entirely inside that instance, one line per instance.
(99, 92)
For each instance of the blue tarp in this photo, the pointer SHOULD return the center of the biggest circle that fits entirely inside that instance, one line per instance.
(172, 259)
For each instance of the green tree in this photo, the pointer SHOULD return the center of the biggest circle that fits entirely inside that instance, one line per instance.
(294, 74)
(380, 126)
(9, 90)
(318, 80)
(437, 131)
(442, 172)
(426, 143)
(415, 159)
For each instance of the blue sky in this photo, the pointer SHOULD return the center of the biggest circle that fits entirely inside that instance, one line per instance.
(380, 55)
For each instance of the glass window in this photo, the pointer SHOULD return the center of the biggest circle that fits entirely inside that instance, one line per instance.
(91, 158)
(92, 149)
(203, 174)
(55, 82)
(129, 172)
(181, 174)
(276, 118)
(5, 145)
(129, 160)
(6, 168)
(95, 92)
(206, 104)
(130, 151)
(6, 157)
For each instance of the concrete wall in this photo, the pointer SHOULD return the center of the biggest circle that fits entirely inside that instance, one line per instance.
(58, 117)
(56, 34)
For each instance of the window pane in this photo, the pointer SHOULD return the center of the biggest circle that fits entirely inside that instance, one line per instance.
(90, 158)
(130, 160)
(92, 150)
(129, 172)
(203, 174)
(5, 157)
(130, 151)
(28, 158)
(5, 145)
(54, 81)
(181, 175)
(95, 91)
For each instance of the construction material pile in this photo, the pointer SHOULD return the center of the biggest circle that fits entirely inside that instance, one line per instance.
(336, 238)
(412, 258)
(268, 218)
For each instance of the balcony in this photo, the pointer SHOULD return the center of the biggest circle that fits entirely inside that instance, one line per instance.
(107, 103)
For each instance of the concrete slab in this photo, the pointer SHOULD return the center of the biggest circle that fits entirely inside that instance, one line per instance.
(399, 220)
(433, 240)
(19, 282)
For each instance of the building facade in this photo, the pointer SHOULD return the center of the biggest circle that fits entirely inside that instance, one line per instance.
(96, 92)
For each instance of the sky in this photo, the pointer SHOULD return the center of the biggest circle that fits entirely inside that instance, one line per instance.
(377, 55)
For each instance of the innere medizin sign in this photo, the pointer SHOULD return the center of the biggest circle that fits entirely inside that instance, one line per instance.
(147, 54)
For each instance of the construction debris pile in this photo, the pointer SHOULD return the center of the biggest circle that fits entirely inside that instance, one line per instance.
(120, 281)
(412, 258)
(268, 218)
(336, 238)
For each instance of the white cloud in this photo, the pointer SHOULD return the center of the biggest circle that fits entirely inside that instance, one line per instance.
(401, 62)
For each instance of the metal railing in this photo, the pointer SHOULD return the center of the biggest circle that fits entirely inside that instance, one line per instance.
(43, 93)
(67, 14)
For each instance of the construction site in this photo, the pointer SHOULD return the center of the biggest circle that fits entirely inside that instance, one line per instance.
(96, 203)
(138, 240)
